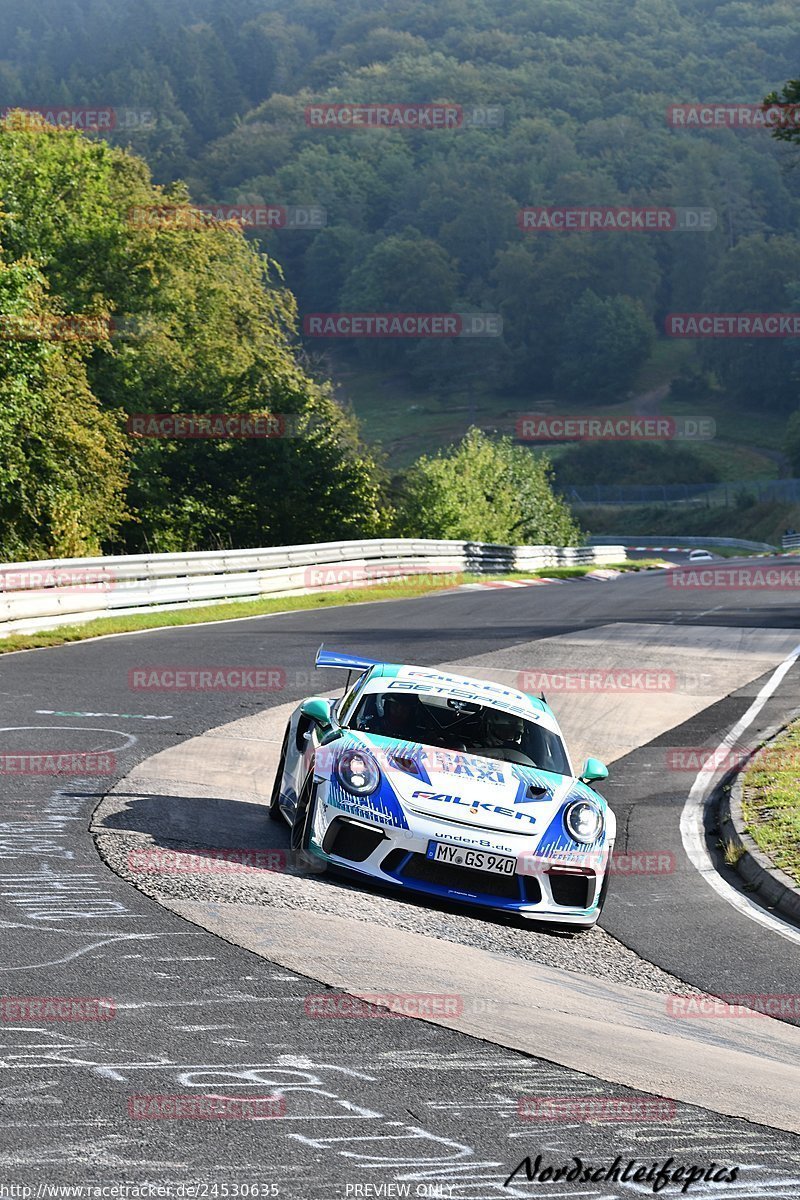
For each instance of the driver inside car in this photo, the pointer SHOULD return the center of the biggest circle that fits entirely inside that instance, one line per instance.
(503, 730)
(401, 717)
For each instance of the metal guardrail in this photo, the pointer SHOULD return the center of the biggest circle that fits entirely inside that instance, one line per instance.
(666, 539)
(54, 592)
(790, 541)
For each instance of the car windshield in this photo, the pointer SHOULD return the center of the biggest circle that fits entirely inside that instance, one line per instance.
(457, 725)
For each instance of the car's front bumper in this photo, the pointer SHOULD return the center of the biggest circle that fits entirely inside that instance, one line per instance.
(552, 892)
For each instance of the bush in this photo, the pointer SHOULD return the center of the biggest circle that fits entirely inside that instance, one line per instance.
(485, 490)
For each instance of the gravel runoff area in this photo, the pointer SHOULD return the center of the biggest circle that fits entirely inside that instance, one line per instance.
(594, 953)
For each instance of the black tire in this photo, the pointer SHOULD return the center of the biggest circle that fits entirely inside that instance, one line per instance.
(274, 801)
(301, 825)
(303, 859)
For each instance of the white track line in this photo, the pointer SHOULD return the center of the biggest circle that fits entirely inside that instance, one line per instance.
(693, 833)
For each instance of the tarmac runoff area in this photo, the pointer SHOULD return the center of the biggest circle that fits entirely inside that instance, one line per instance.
(587, 1003)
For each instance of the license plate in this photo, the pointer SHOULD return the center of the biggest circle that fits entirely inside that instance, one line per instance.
(478, 860)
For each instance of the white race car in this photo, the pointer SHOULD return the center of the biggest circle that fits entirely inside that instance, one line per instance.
(449, 786)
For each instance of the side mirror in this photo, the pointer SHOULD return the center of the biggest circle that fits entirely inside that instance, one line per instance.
(593, 770)
(318, 711)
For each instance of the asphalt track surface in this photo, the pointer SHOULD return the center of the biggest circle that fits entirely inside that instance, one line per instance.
(383, 1104)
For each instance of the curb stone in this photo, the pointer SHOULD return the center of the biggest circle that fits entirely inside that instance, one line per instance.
(777, 889)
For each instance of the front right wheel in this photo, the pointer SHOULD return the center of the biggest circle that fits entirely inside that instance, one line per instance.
(300, 835)
(275, 811)
(298, 839)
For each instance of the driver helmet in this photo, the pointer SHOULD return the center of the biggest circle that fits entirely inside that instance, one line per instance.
(505, 726)
(399, 707)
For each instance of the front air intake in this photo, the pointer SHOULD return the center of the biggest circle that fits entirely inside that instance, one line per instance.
(348, 839)
(570, 890)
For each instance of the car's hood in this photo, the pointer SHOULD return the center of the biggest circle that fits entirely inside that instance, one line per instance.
(485, 793)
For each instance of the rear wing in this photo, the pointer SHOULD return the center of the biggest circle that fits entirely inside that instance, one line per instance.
(348, 662)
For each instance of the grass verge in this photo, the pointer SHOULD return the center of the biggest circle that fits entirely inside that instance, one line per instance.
(233, 609)
(639, 564)
(771, 801)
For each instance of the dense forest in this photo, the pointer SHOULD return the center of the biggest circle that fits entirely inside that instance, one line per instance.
(562, 103)
(428, 221)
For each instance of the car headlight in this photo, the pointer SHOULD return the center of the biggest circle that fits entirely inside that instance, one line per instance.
(584, 821)
(358, 772)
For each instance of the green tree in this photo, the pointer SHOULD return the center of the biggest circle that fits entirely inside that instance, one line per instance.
(757, 275)
(789, 95)
(404, 273)
(485, 490)
(62, 473)
(204, 326)
(328, 262)
(604, 344)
